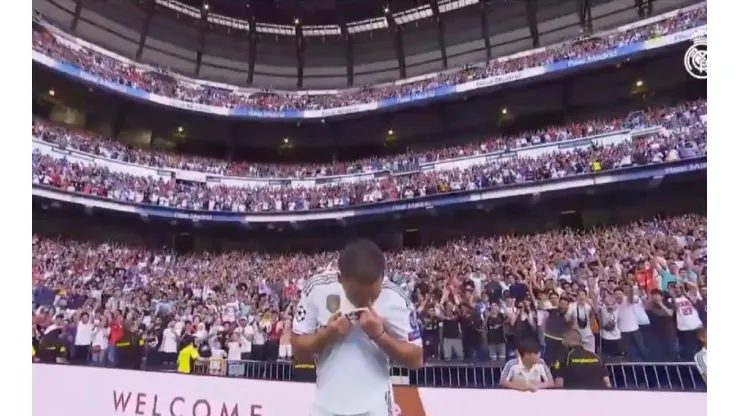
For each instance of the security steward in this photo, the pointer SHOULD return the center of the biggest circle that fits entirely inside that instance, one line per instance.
(51, 348)
(187, 356)
(130, 348)
(577, 368)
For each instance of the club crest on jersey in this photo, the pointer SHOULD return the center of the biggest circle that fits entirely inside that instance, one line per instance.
(332, 303)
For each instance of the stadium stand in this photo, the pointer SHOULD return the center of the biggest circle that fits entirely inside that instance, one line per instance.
(681, 135)
(61, 49)
(485, 294)
(241, 303)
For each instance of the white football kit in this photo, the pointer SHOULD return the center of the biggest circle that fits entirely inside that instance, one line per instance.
(353, 375)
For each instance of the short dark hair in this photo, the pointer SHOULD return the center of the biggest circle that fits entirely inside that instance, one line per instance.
(527, 347)
(363, 261)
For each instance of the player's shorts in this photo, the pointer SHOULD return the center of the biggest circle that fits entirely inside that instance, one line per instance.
(383, 410)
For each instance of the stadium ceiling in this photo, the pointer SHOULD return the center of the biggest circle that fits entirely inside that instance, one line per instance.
(406, 23)
(316, 17)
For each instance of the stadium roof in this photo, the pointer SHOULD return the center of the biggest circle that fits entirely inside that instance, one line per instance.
(328, 44)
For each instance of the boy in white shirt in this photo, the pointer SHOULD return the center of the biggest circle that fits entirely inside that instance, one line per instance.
(700, 358)
(353, 323)
(527, 372)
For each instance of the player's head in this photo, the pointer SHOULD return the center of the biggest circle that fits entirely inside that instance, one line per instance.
(361, 269)
(529, 352)
(701, 334)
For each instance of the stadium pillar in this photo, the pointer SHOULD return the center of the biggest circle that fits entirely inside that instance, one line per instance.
(440, 32)
(484, 4)
(300, 46)
(566, 96)
(348, 54)
(76, 16)
(640, 5)
(232, 141)
(644, 8)
(119, 122)
(531, 7)
(252, 48)
(584, 15)
(397, 42)
(145, 29)
(201, 37)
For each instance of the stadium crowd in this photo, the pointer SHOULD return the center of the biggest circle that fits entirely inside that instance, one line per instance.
(158, 82)
(682, 136)
(636, 291)
(103, 146)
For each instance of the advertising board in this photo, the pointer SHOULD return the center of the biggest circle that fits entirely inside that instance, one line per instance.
(107, 392)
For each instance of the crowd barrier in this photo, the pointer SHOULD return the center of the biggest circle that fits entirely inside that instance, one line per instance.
(444, 91)
(446, 200)
(103, 392)
(624, 375)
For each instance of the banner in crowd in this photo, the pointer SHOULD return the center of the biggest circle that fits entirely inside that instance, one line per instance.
(108, 392)
(650, 171)
(443, 91)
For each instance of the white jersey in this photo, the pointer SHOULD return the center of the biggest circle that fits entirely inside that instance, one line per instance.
(514, 370)
(700, 358)
(353, 376)
(687, 318)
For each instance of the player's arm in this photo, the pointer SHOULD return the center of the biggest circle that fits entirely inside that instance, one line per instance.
(308, 340)
(401, 339)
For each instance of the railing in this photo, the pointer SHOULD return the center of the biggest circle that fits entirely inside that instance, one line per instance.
(438, 201)
(632, 376)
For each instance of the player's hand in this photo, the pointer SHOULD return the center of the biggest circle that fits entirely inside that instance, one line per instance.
(372, 323)
(338, 324)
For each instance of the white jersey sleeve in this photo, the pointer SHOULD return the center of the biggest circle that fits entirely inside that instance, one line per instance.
(700, 358)
(400, 316)
(305, 320)
(508, 372)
